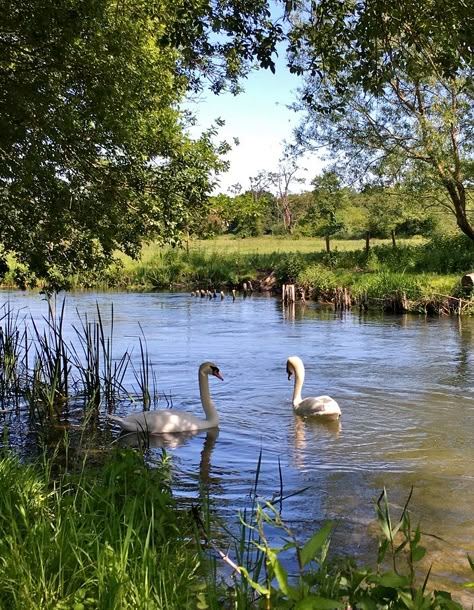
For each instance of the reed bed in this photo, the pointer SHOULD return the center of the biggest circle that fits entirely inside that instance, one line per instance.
(45, 377)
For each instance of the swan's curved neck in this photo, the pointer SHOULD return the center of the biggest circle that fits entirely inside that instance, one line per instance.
(299, 380)
(209, 409)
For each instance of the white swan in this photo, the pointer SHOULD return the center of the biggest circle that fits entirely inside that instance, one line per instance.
(165, 421)
(323, 407)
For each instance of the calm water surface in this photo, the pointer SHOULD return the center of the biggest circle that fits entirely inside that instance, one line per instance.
(404, 384)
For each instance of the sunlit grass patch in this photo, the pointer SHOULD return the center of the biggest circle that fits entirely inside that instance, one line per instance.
(105, 537)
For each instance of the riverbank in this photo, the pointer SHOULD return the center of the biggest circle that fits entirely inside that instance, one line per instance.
(414, 276)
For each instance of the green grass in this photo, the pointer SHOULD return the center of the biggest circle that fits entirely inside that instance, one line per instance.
(108, 537)
(267, 244)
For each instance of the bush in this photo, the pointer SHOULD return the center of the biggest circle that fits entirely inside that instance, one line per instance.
(319, 280)
(386, 284)
(447, 254)
(289, 268)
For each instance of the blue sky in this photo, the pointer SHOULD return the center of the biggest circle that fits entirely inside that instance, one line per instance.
(260, 119)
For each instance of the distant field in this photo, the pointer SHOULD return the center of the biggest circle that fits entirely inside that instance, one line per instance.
(267, 244)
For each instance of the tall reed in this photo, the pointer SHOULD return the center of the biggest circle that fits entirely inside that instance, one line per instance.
(12, 341)
(46, 370)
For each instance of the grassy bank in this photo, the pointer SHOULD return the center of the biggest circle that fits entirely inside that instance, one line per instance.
(101, 537)
(414, 276)
(110, 536)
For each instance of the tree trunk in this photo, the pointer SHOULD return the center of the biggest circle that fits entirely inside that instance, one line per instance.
(287, 214)
(394, 243)
(457, 193)
(328, 245)
(367, 243)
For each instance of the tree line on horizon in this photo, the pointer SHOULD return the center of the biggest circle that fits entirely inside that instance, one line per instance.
(328, 209)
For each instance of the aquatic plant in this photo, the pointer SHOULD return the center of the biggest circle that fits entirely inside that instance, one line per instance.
(46, 372)
(319, 579)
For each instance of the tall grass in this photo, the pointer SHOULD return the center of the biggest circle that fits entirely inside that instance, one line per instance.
(107, 537)
(45, 374)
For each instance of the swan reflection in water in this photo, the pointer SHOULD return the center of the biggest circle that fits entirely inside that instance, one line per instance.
(173, 441)
(306, 433)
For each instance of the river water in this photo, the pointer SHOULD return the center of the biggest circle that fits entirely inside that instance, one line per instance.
(404, 384)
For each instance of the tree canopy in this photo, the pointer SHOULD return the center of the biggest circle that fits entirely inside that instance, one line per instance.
(389, 93)
(94, 151)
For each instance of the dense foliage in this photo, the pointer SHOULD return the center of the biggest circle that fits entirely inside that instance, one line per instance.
(389, 93)
(94, 153)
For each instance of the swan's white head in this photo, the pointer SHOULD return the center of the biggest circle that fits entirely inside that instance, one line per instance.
(292, 364)
(209, 368)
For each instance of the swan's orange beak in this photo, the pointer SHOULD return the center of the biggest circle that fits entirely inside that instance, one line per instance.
(215, 372)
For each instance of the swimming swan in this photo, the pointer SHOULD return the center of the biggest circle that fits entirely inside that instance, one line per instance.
(324, 407)
(165, 421)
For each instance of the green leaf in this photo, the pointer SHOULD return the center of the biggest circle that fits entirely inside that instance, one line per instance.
(314, 602)
(315, 543)
(255, 585)
(389, 579)
(281, 575)
(407, 599)
(418, 553)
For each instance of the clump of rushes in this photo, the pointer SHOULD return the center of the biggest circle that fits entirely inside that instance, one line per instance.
(107, 537)
(45, 373)
(12, 342)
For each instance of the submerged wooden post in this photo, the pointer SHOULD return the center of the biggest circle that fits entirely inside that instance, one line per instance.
(288, 293)
(364, 302)
(342, 299)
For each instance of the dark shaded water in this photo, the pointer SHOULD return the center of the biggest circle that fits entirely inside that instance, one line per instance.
(404, 384)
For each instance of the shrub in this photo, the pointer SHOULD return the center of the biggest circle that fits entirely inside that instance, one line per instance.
(386, 284)
(447, 254)
(289, 268)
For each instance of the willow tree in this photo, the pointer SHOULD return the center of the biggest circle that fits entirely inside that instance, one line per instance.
(94, 151)
(388, 91)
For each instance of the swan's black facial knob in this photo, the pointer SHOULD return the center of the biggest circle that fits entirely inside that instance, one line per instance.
(289, 371)
(215, 372)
